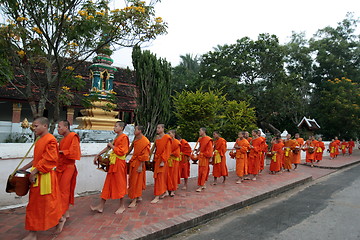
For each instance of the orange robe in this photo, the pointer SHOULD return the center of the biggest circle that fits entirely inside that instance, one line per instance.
(332, 148)
(264, 149)
(185, 152)
(172, 180)
(115, 186)
(162, 154)
(344, 146)
(220, 169)
(241, 157)
(206, 152)
(66, 169)
(351, 146)
(137, 181)
(275, 164)
(297, 156)
(310, 157)
(337, 143)
(289, 145)
(254, 156)
(319, 151)
(44, 211)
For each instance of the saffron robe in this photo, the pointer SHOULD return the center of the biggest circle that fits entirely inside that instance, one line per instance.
(310, 157)
(351, 146)
(137, 181)
(43, 211)
(185, 152)
(172, 180)
(297, 156)
(319, 150)
(337, 143)
(206, 152)
(289, 145)
(344, 146)
(276, 159)
(264, 149)
(66, 169)
(241, 157)
(162, 154)
(254, 156)
(332, 148)
(220, 169)
(115, 186)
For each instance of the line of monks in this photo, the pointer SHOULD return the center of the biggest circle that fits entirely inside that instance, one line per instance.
(53, 170)
(335, 147)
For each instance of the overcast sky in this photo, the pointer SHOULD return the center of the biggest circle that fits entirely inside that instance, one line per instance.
(196, 26)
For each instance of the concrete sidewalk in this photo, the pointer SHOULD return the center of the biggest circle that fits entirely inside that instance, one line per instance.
(171, 215)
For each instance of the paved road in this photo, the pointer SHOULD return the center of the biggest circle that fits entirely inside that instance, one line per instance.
(327, 209)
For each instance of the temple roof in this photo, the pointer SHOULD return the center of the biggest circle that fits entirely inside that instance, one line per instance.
(308, 123)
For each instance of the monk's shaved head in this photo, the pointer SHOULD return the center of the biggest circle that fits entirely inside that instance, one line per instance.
(42, 120)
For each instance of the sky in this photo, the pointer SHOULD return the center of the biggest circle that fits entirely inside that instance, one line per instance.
(197, 26)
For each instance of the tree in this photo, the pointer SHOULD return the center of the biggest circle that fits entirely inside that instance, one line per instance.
(56, 37)
(153, 79)
(185, 75)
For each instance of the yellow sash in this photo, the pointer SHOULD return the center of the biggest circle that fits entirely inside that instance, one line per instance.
(319, 150)
(342, 146)
(113, 156)
(332, 149)
(217, 157)
(45, 183)
(274, 157)
(287, 151)
(171, 160)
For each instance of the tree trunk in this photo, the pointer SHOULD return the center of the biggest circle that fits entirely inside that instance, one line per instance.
(270, 127)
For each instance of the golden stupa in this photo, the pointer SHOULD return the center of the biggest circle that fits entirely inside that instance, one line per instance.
(100, 115)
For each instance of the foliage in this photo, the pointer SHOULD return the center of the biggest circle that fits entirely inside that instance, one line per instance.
(211, 110)
(185, 75)
(153, 79)
(55, 37)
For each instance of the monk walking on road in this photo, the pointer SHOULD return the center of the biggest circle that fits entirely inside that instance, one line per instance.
(219, 159)
(137, 171)
(277, 154)
(351, 146)
(44, 208)
(184, 168)
(297, 150)
(69, 152)
(173, 165)
(319, 150)
(242, 146)
(115, 186)
(289, 145)
(205, 152)
(254, 155)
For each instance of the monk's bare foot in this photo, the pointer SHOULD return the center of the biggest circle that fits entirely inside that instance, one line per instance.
(172, 194)
(155, 200)
(246, 178)
(199, 189)
(96, 209)
(214, 183)
(132, 204)
(238, 181)
(224, 180)
(184, 188)
(254, 179)
(139, 199)
(31, 236)
(120, 210)
(67, 214)
(60, 225)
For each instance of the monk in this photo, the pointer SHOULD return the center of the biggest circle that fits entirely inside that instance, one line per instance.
(254, 155)
(319, 150)
(351, 146)
(248, 138)
(184, 168)
(344, 145)
(337, 143)
(277, 154)
(115, 186)
(44, 209)
(66, 169)
(332, 147)
(242, 146)
(310, 150)
(137, 171)
(162, 153)
(219, 159)
(173, 165)
(296, 152)
(289, 146)
(205, 152)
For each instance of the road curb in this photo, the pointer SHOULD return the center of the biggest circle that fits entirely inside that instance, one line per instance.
(181, 225)
(335, 167)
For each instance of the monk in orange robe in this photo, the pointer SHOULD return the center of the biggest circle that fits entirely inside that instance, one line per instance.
(344, 145)
(277, 154)
(289, 146)
(254, 155)
(297, 151)
(162, 153)
(184, 168)
(205, 152)
(338, 143)
(332, 148)
(69, 152)
(264, 149)
(137, 171)
(248, 138)
(351, 146)
(115, 186)
(44, 209)
(219, 159)
(319, 150)
(173, 165)
(242, 146)
(310, 150)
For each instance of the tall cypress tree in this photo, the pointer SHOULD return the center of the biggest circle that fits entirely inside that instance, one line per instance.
(153, 78)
